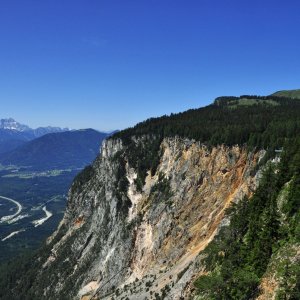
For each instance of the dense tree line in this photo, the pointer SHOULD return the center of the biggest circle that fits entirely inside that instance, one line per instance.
(263, 124)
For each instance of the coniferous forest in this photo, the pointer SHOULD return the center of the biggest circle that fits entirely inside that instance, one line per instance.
(261, 122)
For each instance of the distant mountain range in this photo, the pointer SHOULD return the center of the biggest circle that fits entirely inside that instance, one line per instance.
(69, 149)
(14, 134)
(47, 147)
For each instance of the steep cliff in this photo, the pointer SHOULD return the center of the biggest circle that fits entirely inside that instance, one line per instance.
(116, 243)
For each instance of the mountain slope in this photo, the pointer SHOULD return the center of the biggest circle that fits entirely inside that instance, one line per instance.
(70, 149)
(138, 219)
(10, 140)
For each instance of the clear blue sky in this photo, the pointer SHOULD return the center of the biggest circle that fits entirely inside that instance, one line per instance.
(109, 64)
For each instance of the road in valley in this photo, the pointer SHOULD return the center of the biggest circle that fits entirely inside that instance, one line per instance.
(9, 217)
(39, 222)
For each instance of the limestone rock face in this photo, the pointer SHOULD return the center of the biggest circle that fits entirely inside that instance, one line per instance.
(114, 243)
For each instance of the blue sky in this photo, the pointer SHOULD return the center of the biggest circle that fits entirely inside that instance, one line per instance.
(109, 64)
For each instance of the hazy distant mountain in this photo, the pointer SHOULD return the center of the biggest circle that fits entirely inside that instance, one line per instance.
(57, 150)
(14, 126)
(40, 131)
(14, 134)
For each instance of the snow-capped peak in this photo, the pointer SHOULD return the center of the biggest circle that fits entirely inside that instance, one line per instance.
(11, 124)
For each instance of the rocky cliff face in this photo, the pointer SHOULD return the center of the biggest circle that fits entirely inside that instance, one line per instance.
(119, 242)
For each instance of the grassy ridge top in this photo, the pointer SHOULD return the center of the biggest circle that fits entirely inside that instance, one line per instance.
(234, 102)
(294, 94)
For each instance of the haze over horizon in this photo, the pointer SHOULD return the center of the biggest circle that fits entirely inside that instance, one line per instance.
(112, 64)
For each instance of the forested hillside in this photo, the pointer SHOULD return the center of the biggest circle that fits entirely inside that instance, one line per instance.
(261, 122)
